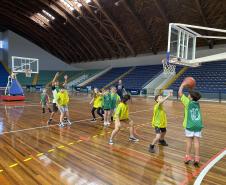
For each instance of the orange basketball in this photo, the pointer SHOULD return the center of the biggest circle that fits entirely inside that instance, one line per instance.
(190, 82)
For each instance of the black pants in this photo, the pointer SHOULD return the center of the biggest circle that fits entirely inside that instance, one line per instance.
(99, 112)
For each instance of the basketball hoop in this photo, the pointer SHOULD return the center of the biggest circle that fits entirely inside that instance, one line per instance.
(168, 68)
(28, 73)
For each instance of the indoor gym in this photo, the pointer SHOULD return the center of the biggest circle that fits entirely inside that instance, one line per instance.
(151, 46)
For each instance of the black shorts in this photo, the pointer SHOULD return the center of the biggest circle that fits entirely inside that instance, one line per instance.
(107, 109)
(55, 108)
(159, 130)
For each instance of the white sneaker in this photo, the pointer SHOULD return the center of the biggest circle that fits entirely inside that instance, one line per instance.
(108, 123)
(110, 142)
(133, 139)
(105, 124)
(61, 124)
(69, 122)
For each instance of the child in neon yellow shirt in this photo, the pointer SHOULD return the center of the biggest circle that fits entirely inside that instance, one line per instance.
(159, 122)
(97, 105)
(122, 116)
(62, 101)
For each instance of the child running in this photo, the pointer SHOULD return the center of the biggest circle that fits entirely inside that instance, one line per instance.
(159, 122)
(107, 107)
(97, 105)
(192, 123)
(45, 101)
(122, 116)
(62, 103)
(115, 100)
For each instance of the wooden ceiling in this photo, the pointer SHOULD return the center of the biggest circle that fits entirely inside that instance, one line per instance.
(105, 29)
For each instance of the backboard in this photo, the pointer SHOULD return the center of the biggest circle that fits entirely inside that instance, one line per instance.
(182, 39)
(23, 65)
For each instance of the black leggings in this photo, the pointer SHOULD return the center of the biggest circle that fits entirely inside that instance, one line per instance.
(99, 112)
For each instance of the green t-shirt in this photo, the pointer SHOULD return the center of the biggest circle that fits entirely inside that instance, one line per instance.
(107, 101)
(192, 115)
(44, 98)
(159, 116)
(115, 100)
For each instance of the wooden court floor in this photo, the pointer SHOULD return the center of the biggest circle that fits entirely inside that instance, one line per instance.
(32, 152)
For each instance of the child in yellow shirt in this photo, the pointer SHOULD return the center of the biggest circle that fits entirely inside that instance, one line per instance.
(159, 122)
(122, 116)
(97, 105)
(62, 101)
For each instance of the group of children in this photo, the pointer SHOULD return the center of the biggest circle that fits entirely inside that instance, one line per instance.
(105, 103)
(60, 101)
(109, 106)
(192, 122)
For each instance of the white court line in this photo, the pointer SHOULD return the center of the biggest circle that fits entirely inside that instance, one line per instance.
(203, 173)
(46, 126)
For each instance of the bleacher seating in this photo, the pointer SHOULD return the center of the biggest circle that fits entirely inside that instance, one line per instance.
(4, 76)
(210, 77)
(21, 77)
(45, 77)
(108, 77)
(140, 76)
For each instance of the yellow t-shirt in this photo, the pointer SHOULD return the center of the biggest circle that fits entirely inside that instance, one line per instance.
(159, 116)
(97, 101)
(62, 98)
(122, 111)
(185, 100)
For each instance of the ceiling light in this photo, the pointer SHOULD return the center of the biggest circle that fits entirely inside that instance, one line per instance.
(78, 4)
(48, 14)
(65, 2)
(88, 1)
(43, 17)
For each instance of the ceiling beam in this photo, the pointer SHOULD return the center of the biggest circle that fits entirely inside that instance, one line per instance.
(198, 5)
(132, 52)
(104, 27)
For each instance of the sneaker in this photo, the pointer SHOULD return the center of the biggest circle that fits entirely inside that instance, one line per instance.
(152, 149)
(69, 122)
(197, 161)
(93, 120)
(50, 111)
(108, 123)
(110, 142)
(163, 143)
(187, 159)
(61, 124)
(133, 139)
(102, 119)
(49, 121)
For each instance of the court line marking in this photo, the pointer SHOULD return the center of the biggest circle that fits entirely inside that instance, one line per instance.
(62, 146)
(209, 165)
(53, 125)
(196, 172)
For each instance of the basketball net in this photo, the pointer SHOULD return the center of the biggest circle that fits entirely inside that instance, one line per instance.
(28, 73)
(168, 68)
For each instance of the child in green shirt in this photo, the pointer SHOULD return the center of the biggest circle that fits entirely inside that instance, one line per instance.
(115, 100)
(45, 101)
(107, 107)
(192, 123)
(159, 122)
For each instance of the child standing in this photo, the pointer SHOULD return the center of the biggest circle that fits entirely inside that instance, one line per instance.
(45, 101)
(122, 116)
(159, 122)
(62, 103)
(97, 105)
(192, 123)
(107, 107)
(115, 100)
